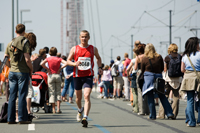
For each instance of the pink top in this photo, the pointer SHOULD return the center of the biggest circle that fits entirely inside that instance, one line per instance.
(126, 63)
(106, 75)
(54, 63)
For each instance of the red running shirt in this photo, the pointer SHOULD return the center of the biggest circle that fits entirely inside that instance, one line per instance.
(85, 55)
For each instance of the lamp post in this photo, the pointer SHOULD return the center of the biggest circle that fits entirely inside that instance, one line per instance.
(178, 37)
(195, 29)
(21, 11)
(24, 22)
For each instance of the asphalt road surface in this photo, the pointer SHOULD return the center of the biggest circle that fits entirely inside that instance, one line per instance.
(106, 115)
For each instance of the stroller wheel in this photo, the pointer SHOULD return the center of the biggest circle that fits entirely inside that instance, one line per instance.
(35, 109)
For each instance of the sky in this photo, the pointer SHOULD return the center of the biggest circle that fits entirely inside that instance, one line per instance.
(114, 23)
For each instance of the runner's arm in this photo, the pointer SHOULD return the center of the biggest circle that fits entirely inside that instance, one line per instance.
(71, 57)
(96, 53)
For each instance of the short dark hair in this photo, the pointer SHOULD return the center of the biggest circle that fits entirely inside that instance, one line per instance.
(118, 58)
(20, 28)
(42, 52)
(53, 51)
(85, 31)
(64, 57)
(47, 49)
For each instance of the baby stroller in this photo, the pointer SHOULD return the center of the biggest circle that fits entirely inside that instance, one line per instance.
(39, 80)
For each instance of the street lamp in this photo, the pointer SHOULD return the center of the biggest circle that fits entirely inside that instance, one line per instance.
(178, 37)
(24, 22)
(26, 10)
(195, 29)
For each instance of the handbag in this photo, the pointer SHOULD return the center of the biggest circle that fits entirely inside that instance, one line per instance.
(159, 83)
(141, 80)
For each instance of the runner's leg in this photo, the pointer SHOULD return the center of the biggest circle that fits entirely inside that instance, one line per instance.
(87, 92)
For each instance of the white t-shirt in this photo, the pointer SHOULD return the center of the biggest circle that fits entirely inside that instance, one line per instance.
(133, 61)
(195, 61)
(120, 67)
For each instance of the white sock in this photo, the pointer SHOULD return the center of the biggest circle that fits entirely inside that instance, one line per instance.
(85, 116)
(80, 110)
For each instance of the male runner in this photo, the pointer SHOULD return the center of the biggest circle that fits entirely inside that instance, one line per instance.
(84, 54)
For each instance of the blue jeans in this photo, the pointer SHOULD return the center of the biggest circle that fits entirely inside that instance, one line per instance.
(167, 107)
(189, 111)
(18, 83)
(66, 87)
(106, 85)
(198, 110)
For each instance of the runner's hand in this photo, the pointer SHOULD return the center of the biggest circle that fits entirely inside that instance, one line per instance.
(77, 63)
(68, 76)
(100, 71)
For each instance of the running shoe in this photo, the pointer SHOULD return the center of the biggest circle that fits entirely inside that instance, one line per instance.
(80, 115)
(84, 122)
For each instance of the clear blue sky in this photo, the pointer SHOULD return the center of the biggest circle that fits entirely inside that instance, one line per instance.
(116, 19)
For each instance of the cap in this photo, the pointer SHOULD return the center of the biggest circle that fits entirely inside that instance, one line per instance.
(112, 61)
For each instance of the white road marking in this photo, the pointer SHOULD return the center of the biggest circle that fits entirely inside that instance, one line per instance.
(31, 127)
(111, 99)
(129, 104)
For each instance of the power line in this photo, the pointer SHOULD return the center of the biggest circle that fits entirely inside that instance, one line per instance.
(92, 23)
(99, 27)
(161, 6)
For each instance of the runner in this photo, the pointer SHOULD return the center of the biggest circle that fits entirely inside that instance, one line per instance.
(83, 74)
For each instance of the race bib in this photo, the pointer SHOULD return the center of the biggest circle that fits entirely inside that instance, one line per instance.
(85, 63)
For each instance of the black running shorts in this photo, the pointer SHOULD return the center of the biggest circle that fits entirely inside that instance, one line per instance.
(83, 82)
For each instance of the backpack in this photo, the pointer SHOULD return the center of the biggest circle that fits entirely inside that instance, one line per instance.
(17, 46)
(174, 69)
(4, 113)
(115, 71)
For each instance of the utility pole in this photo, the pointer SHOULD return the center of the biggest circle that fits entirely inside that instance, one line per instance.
(131, 46)
(111, 53)
(170, 27)
(17, 12)
(13, 19)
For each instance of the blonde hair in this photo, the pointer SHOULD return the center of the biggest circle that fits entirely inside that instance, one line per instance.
(106, 67)
(150, 51)
(173, 48)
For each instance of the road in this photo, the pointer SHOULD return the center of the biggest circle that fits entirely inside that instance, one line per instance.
(106, 115)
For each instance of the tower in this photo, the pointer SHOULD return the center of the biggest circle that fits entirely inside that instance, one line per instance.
(74, 22)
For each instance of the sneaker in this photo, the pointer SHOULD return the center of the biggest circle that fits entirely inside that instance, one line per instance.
(25, 122)
(79, 115)
(84, 122)
(70, 101)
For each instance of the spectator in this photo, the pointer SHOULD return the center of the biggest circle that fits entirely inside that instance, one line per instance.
(189, 84)
(172, 83)
(126, 81)
(36, 63)
(21, 70)
(142, 101)
(54, 79)
(106, 78)
(69, 81)
(151, 71)
(117, 81)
